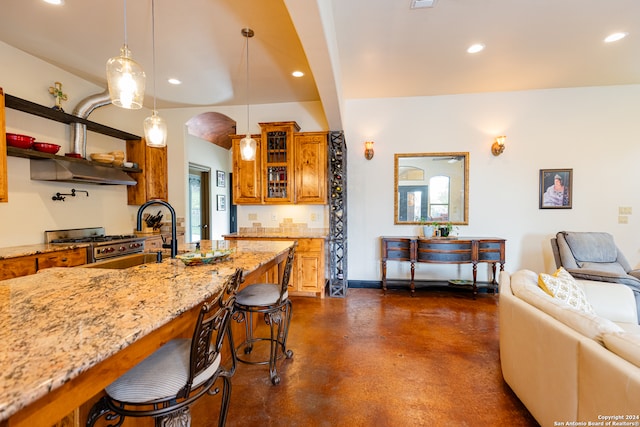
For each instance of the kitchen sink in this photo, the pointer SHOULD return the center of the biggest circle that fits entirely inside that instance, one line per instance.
(126, 261)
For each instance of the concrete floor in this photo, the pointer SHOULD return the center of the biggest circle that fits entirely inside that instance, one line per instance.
(384, 360)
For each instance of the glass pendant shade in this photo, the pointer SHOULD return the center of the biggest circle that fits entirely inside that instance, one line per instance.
(248, 148)
(126, 80)
(155, 131)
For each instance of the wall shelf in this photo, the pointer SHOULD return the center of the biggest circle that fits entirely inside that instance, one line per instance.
(32, 154)
(19, 104)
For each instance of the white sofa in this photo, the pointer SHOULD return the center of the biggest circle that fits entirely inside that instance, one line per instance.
(566, 365)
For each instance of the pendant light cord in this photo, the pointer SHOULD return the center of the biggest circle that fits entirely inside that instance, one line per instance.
(125, 23)
(247, 34)
(153, 51)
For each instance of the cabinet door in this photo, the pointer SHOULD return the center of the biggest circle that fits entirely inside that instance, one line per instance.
(247, 174)
(152, 181)
(4, 197)
(17, 267)
(311, 167)
(309, 267)
(277, 162)
(67, 258)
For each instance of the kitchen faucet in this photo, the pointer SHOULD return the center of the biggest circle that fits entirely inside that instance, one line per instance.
(174, 234)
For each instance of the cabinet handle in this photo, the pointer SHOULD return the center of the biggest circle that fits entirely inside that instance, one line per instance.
(64, 259)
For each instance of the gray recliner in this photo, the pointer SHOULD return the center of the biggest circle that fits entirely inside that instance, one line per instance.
(595, 256)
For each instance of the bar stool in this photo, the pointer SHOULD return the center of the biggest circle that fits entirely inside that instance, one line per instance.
(169, 381)
(271, 300)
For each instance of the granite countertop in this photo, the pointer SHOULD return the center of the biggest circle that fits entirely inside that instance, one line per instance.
(307, 233)
(41, 248)
(60, 322)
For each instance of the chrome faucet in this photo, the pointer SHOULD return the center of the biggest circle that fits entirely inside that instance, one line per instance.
(174, 234)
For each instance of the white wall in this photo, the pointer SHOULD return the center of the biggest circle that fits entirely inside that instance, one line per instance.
(594, 131)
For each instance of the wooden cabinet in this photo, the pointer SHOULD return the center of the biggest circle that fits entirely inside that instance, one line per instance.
(247, 174)
(459, 250)
(311, 167)
(30, 264)
(152, 183)
(4, 196)
(309, 267)
(290, 167)
(277, 162)
(308, 277)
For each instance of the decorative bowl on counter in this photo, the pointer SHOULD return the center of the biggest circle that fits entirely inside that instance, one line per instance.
(199, 258)
(20, 141)
(102, 158)
(46, 147)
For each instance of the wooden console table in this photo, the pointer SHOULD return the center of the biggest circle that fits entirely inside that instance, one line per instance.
(455, 250)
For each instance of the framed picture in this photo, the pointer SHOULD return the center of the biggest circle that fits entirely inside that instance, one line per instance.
(556, 188)
(222, 204)
(220, 175)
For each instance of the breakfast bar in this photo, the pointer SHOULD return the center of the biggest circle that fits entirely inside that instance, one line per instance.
(69, 332)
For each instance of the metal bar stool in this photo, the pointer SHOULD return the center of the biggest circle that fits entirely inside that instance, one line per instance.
(271, 300)
(169, 381)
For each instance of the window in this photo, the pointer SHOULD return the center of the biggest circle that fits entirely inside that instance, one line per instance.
(439, 187)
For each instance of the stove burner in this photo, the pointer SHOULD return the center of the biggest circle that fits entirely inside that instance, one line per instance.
(92, 239)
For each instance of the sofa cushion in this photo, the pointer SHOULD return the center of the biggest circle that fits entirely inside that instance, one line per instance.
(613, 268)
(625, 345)
(592, 247)
(563, 286)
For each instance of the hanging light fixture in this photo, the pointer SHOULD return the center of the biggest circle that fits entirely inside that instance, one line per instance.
(155, 128)
(247, 144)
(125, 77)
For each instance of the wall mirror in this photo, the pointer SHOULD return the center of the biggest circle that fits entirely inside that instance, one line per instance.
(431, 187)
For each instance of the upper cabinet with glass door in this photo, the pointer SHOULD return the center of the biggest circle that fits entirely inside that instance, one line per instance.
(277, 157)
(431, 187)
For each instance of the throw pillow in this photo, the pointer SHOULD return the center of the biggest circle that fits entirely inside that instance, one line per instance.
(562, 286)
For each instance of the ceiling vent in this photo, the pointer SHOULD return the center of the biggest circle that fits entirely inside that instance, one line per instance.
(420, 4)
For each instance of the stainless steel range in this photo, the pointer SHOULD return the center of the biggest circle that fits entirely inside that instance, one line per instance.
(102, 246)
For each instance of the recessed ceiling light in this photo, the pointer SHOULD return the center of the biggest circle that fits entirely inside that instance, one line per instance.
(56, 2)
(615, 37)
(475, 48)
(297, 74)
(419, 4)
(174, 81)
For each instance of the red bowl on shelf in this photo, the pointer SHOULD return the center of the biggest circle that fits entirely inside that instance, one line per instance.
(20, 141)
(46, 147)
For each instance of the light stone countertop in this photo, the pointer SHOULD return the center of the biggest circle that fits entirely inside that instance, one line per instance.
(40, 248)
(60, 322)
(309, 233)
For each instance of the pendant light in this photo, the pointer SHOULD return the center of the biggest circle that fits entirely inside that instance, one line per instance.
(155, 128)
(247, 144)
(125, 77)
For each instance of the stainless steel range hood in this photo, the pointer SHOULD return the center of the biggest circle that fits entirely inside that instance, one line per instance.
(75, 171)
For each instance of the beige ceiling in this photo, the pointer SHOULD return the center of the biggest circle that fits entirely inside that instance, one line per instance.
(348, 48)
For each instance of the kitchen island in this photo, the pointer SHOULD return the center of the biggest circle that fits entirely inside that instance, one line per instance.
(69, 332)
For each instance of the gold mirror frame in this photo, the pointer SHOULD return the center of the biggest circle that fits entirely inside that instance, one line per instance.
(416, 170)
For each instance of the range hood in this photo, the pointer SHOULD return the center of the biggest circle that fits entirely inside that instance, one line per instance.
(77, 171)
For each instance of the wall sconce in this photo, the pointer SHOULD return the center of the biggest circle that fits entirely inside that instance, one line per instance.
(498, 146)
(368, 150)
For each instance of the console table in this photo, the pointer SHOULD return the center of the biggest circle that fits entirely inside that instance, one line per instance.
(443, 250)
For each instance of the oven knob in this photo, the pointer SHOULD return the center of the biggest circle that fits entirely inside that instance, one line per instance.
(110, 249)
(122, 249)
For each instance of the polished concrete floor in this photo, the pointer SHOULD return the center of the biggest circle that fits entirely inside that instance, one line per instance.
(384, 360)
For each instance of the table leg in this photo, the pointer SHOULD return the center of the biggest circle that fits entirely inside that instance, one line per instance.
(413, 272)
(384, 276)
(475, 275)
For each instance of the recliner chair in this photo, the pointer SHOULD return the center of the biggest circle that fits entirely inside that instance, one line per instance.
(595, 256)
